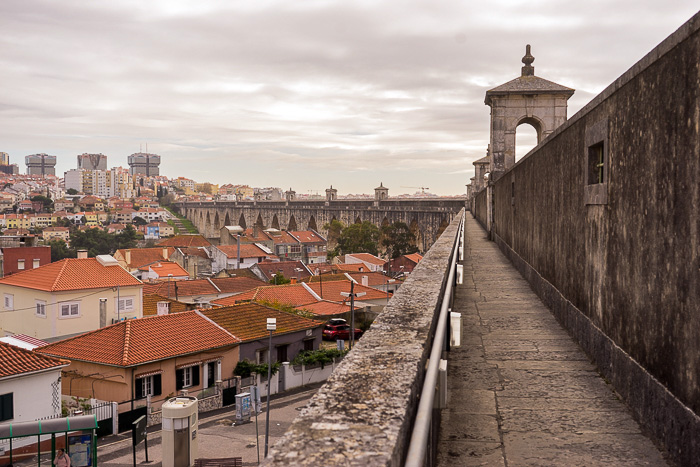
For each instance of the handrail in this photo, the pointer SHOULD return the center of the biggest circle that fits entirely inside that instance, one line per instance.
(421, 428)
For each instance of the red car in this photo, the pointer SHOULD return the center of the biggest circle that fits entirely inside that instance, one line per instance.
(341, 331)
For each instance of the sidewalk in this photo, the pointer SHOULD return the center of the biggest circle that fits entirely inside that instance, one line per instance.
(520, 391)
(216, 437)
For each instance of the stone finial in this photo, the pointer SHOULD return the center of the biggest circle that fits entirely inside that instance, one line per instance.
(528, 69)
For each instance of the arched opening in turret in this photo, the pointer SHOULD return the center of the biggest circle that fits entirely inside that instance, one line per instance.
(217, 225)
(241, 221)
(259, 222)
(227, 220)
(527, 136)
(312, 224)
(275, 222)
(292, 223)
(358, 220)
(442, 228)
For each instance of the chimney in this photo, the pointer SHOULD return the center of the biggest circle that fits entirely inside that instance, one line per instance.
(255, 230)
(127, 257)
(365, 281)
(294, 280)
(82, 254)
(165, 252)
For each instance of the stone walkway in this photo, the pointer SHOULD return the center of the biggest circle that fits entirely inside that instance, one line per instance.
(520, 391)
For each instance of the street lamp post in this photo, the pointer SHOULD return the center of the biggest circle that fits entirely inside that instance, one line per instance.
(271, 326)
(352, 296)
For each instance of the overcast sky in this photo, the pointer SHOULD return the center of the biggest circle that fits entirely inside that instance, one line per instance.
(299, 93)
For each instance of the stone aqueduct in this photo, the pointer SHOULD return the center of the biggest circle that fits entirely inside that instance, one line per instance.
(426, 218)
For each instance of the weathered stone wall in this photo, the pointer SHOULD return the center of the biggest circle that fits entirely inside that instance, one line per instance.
(619, 261)
(425, 217)
(363, 414)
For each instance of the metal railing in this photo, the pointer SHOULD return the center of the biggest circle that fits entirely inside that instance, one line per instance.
(418, 445)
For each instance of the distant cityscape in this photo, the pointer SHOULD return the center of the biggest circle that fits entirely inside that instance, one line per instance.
(142, 178)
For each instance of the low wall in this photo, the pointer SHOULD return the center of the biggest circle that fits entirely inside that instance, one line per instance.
(616, 253)
(365, 410)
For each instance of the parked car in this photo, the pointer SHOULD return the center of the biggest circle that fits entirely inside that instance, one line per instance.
(341, 331)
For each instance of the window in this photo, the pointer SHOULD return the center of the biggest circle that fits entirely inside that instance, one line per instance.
(36, 263)
(261, 356)
(596, 164)
(148, 386)
(41, 308)
(282, 353)
(6, 407)
(186, 377)
(596, 169)
(70, 309)
(309, 344)
(20, 264)
(9, 301)
(126, 304)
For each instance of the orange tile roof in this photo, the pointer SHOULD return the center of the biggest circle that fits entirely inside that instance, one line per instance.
(415, 257)
(184, 288)
(166, 268)
(72, 274)
(236, 284)
(373, 278)
(283, 238)
(307, 236)
(367, 258)
(16, 361)
(249, 321)
(142, 256)
(185, 241)
(138, 341)
(248, 250)
(288, 268)
(292, 294)
(332, 290)
(150, 304)
(326, 308)
(194, 252)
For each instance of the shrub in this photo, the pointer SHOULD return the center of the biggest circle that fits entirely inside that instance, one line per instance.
(322, 356)
(245, 367)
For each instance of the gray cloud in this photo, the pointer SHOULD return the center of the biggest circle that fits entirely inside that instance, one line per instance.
(305, 94)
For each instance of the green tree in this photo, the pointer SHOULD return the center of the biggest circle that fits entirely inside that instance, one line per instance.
(398, 240)
(359, 238)
(47, 202)
(127, 239)
(140, 221)
(99, 242)
(71, 191)
(60, 250)
(279, 279)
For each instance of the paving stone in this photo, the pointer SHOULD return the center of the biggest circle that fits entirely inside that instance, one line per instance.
(520, 379)
(471, 453)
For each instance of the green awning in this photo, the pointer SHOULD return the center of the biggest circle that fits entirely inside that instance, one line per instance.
(47, 427)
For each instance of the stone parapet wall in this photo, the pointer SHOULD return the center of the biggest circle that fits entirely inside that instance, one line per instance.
(364, 412)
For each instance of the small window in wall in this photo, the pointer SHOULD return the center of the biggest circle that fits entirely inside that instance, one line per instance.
(187, 377)
(282, 353)
(309, 344)
(148, 386)
(9, 301)
(6, 407)
(70, 309)
(41, 308)
(597, 164)
(36, 263)
(126, 304)
(20, 264)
